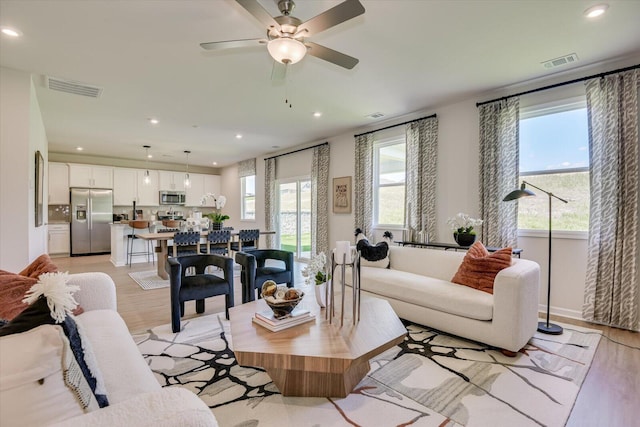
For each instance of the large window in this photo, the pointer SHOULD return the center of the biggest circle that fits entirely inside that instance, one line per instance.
(248, 190)
(389, 185)
(554, 155)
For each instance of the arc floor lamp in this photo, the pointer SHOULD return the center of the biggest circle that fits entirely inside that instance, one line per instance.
(523, 191)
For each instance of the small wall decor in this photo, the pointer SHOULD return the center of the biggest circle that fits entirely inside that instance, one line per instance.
(39, 190)
(342, 195)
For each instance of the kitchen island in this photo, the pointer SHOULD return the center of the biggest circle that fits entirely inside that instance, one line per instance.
(119, 241)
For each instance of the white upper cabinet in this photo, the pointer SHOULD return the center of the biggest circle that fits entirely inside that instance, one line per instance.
(195, 190)
(171, 181)
(147, 192)
(211, 185)
(58, 184)
(90, 176)
(129, 186)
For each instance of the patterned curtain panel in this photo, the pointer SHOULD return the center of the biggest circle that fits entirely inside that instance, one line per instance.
(499, 170)
(247, 168)
(270, 215)
(363, 183)
(320, 200)
(422, 158)
(611, 288)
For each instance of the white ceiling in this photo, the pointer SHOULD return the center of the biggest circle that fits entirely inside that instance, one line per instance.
(413, 54)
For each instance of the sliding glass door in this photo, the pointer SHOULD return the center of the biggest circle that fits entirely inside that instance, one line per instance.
(294, 204)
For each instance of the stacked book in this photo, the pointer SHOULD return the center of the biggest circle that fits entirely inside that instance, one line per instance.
(267, 319)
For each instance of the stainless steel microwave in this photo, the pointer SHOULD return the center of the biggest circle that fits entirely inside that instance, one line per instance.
(172, 197)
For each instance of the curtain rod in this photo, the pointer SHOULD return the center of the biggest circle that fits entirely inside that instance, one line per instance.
(392, 126)
(619, 70)
(297, 151)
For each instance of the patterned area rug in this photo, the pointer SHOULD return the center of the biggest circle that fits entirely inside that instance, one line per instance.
(149, 280)
(431, 379)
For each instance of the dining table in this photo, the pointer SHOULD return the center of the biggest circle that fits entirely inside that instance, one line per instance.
(162, 249)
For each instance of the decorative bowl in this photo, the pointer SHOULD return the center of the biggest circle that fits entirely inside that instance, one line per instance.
(276, 300)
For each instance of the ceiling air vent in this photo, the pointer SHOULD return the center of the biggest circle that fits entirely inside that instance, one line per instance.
(76, 88)
(375, 115)
(563, 60)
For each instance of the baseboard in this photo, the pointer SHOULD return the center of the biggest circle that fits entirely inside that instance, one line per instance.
(564, 312)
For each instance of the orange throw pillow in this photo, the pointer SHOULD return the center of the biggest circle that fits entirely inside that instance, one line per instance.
(479, 267)
(40, 265)
(12, 289)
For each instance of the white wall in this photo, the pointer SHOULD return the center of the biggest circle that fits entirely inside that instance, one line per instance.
(21, 134)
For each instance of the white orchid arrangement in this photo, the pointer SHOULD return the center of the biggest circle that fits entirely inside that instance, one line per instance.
(315, 270)
(218, 200)
(463, 223)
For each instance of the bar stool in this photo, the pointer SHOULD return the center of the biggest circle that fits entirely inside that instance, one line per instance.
(137, 225)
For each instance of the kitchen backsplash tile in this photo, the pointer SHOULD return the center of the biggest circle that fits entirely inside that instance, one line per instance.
(59, 213)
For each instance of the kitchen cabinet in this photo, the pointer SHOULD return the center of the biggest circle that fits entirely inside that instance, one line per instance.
(129, 186)
(201, 185)
(58, 184)
(58, 239)
(90, 176)
(171, 181)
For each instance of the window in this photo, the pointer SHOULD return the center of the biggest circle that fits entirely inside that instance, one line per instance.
(248, 189)
(389, 182)
(554, 155)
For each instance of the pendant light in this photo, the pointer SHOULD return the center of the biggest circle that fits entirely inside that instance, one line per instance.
(147, 178)
(187, 181)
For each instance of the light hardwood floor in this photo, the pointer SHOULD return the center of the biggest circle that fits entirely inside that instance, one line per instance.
(610, 395)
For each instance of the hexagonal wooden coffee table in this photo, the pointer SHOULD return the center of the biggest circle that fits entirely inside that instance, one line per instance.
(316, 358)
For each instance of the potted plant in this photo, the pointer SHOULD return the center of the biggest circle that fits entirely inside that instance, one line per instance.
(217, 218)
(316, 271)
(462, 226)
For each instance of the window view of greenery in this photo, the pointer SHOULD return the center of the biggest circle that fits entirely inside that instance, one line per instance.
(291, 213)
(249, 197)
(554, 156)
(390, 169)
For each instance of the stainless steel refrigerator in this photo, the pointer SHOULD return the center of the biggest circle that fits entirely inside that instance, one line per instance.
(91, 213)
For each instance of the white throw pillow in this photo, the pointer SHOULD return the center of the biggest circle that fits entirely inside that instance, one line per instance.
(32, 386)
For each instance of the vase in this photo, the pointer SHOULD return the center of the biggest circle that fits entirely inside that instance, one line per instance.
(216, 226)
(321, 294)
(464, 239)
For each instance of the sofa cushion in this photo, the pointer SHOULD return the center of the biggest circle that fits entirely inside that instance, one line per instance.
(433, 293)
(479, 268)
(38, 266)
(124, 370)
(32, 381)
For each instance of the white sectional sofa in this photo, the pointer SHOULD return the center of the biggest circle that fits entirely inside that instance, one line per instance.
(135, 396)
(419, 289)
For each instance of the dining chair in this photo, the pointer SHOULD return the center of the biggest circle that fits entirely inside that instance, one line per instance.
(217, 242)
(132, 237)
(258, 266)
(198, 286)
(186, 243)
(247, 240)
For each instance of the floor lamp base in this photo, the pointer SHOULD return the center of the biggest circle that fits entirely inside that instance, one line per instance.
(549, 328)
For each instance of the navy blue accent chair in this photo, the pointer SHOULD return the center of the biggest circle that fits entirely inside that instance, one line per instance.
(200, 285)
(255, 270)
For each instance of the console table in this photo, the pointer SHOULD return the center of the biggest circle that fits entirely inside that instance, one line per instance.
(454, 246)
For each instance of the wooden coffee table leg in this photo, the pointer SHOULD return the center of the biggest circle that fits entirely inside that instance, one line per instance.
(292, 382)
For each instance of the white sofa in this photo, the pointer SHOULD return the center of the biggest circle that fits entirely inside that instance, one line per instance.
(419, 289)
(135, 396)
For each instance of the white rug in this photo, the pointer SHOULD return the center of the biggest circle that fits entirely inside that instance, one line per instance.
(149, 280)
(431, 379)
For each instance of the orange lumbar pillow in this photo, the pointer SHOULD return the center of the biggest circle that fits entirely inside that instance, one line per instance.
(479, 267)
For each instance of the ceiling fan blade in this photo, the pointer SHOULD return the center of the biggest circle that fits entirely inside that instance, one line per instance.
(232, 44)
(279, 71)
(331, 55)
(334, 16)
(259, 12)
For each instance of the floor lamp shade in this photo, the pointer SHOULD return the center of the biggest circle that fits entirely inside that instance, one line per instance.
(523, 191)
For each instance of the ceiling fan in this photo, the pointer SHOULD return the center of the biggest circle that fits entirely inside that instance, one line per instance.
(286, 34)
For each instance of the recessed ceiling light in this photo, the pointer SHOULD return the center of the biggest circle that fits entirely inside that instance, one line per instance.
(215, 163)
(79, 148)
(238, 136)
(149, 156)
(596, 10)
(11, 32)
(317, 114)
(154, 121)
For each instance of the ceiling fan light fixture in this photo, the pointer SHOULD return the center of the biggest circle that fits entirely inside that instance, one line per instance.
(286, 50)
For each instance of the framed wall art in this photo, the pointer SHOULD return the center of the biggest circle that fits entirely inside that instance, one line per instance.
(342, 195)
(39, 190)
